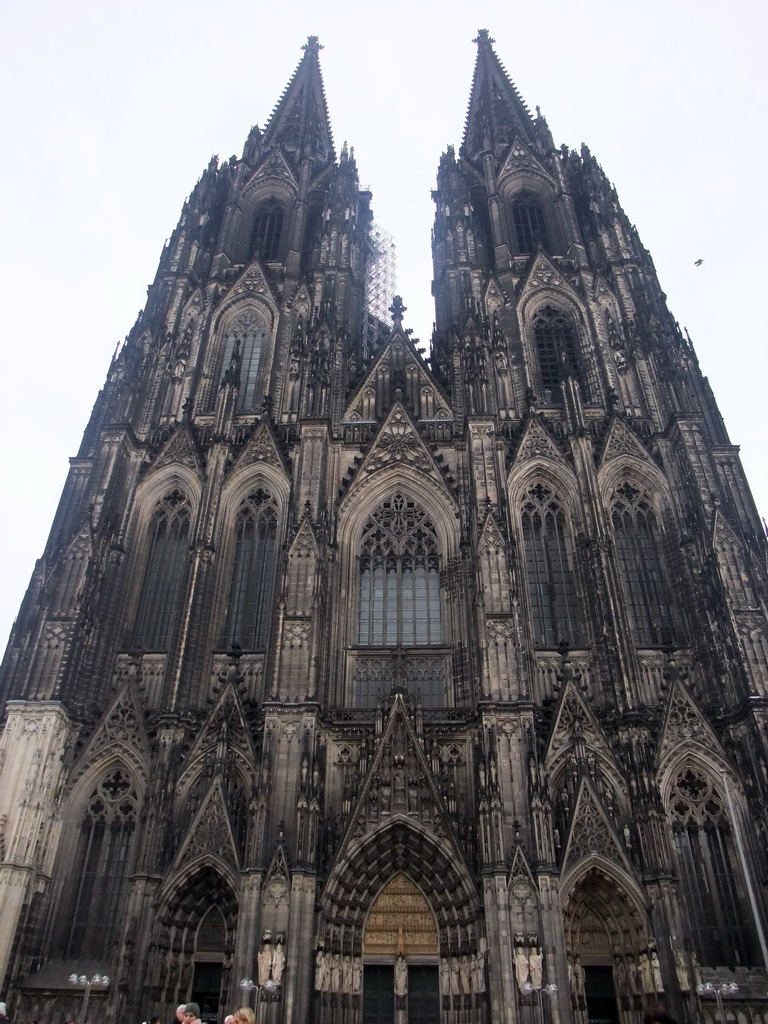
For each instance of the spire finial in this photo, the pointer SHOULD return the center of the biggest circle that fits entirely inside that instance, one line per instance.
(483, 36)
(397, 309)
(313, 43)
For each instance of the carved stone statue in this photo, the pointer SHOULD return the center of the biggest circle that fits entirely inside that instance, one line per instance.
(278, 962)
(521, 966)
(536, 962)
(264, 959)
(658, 984)
(401, 977)
(646, 972)
(321, 972)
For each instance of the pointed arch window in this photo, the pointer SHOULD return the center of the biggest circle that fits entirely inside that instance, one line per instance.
(267, 230)
(168, 542)
(720, 923)
(549, 572)
(556, 353)
(249, 612)
(637, 548)
(400, 603)
(242, 356)
(529, 224)
(103, 863)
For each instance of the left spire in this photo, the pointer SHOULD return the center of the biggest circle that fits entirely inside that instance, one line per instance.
(300, 123)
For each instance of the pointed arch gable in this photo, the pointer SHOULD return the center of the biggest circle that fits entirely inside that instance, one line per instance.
(642, 474)
(402, 846)
(190, 885)
(367, 492)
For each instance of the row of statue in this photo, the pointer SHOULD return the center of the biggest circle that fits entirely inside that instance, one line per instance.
(271, 962)
(529, 965)
(636, 975)
(459, 975)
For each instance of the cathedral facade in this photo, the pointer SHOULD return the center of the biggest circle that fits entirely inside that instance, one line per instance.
(365, 687)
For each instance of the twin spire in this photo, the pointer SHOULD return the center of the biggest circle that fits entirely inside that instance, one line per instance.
(496, 112)
(300, 122)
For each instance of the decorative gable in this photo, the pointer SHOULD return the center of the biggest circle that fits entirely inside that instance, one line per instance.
(544, 274)
(210, 833)
(275, 166)
(120, 730)
(573, 719)
(261, 447)
(398, 444)
(591, 833)
(622, 442)
(538, 443)
(251, 282)
(684, 724)
(178, 450)
(521, 158)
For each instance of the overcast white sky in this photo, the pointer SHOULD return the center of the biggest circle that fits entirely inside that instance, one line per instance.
(112, 109)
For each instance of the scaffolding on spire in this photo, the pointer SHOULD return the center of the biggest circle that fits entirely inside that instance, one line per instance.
(381, 273)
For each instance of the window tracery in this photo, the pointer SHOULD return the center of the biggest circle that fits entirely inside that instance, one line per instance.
(637, 548)
(712, 882)
(555, 344)
(549, 572)
(103, 863)
(249, 612)
(242, 355)
(529, 224)
(266, 231)
(399, 566)
(168, 551)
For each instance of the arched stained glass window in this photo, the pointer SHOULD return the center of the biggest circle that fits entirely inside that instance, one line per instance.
(529, 223)
(549, 570)
(168, 543)
(720, 923)
(555, 350)
(637, 548)
(399, 602)
(244, 344)
(266, 232)
(103, 864)
(249, 613)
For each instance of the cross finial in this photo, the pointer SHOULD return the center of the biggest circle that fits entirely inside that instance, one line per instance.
(312, 43)
(483, 36)
(397, 309)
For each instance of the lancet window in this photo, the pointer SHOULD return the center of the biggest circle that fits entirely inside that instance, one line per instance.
(549, 570)
(242, 356)
(637, 548)
(720, 923)
(555, 344)
(529, 223)
(168, 543)
(266, 232)
(399, 604)
(249, 612)
(104, 861)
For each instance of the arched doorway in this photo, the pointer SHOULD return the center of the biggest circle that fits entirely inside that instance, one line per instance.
(612, 963)
(191, 953)
(401, 972)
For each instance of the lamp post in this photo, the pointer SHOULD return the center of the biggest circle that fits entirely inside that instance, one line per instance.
(707, 988)
(529, 987)
(97, 981)
(247, 985)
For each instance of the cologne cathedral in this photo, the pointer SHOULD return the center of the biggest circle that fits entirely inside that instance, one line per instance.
(363, 687)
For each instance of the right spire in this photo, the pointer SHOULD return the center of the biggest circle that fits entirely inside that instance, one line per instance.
(496, 112)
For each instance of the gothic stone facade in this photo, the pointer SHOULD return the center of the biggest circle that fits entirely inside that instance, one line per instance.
(401, 688)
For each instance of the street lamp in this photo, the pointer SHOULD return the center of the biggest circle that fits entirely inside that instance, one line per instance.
(270, 989)
(97, 981)
(707, 988)
(247, 985)
(528, 987)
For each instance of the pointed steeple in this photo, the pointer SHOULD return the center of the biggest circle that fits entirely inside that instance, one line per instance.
(496, 112)
(299, 122)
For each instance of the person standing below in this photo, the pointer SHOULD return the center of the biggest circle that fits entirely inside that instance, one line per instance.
(179, 1017)
(192, 1014)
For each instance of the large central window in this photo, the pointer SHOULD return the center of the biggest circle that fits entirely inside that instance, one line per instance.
(556, 351)
(399, 578)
